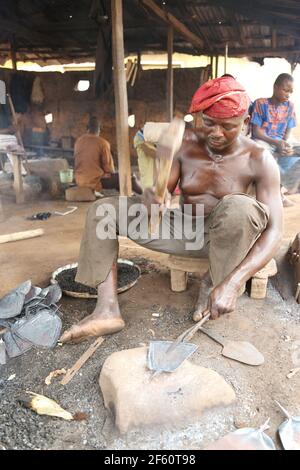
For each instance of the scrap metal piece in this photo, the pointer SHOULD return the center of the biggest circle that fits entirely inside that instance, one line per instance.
(12, 303)
(245, 439)
(53, 296)
(32, 294)
(289, 430)
(15, 346)
(42, 329)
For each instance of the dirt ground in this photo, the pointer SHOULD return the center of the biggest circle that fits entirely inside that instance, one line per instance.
(272, 325)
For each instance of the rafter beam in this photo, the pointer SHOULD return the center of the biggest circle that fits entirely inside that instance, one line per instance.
(171, 20)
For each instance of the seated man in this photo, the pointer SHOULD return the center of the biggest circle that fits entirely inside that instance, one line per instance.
(215, 168)
(94, 166)
(272, 121)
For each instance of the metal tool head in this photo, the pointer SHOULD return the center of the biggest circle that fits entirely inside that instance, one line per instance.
(160, 360)
(244, 352)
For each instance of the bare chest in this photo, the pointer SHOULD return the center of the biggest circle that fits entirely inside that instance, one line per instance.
(217, 178)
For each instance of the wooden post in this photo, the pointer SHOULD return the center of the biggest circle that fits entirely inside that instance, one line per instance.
(121, 100)
(139, 60)
(217, 66)
(13, 54)
(225, 58)
(170, 77)
(274, 39)
(211, 66)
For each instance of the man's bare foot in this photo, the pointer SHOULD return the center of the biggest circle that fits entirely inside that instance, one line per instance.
(105, 319)
(205, 290)
(93, 325)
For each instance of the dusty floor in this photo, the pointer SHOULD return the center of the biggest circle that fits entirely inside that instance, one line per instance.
(272, 325)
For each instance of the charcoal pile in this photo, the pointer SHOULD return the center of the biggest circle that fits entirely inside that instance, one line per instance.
(30, 317)
(127, 274)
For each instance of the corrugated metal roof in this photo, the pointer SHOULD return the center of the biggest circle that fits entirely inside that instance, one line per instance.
(62, 29)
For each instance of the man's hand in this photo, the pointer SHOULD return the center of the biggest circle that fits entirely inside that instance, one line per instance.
(288, 149)
(150, 198)
(284, 148)
(222, 299)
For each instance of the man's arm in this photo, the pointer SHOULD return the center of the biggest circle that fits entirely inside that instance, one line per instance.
(174, 174)
(267, 192)
(287, 134)
(258, 119)
(106, 160)
(224, 296)
(259, 133)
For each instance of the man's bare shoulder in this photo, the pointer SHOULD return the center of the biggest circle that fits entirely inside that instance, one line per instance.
(261, 160)
(191, 145)
(256, 151)
(103, 141)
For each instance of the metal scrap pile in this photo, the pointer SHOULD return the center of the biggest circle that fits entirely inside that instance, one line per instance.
(29, 315)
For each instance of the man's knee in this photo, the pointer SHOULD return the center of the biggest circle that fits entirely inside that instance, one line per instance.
(101, 205)
(236, 210)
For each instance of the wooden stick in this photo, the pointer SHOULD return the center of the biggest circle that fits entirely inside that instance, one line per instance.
(12, 237)
(81, 361)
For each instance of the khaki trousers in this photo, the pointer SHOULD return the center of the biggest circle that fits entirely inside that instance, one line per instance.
(229, 233)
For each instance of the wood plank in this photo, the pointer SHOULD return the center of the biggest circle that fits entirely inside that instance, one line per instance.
(170, 76)
(121, 99)
(12, 237)
(81, 361)
(173, 21)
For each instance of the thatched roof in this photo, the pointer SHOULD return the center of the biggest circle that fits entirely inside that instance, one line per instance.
(67, 30)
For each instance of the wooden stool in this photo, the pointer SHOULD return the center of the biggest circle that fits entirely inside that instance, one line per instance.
(180, 267)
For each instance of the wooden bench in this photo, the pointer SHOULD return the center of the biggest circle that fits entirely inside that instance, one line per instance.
(180, 267)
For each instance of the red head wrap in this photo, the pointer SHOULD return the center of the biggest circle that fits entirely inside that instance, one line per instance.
(221, 98)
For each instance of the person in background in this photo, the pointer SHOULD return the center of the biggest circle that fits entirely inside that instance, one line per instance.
(94, 166)
(272, 121)
(146, 152)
